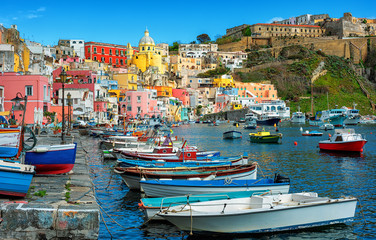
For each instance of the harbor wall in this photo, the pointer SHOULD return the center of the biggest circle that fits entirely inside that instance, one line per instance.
(232, 115)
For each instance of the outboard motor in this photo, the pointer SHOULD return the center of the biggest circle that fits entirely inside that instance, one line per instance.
(281, 179)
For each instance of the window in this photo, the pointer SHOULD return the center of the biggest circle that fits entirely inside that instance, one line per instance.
(95, 58)
(102, 59)
(138, 99)
(75, 101)
(148, 48)
(102, 50)
(117, 52)
(138, 109)
(121, 61)
(110, 51)
(143, 48)
(121, 52)
(129, 98)
(95, 50)
(110, 60)
(44, 92)
(29, 90)
(129, 108)
(117, 61)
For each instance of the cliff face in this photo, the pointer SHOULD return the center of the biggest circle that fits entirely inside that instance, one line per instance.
(332, 76)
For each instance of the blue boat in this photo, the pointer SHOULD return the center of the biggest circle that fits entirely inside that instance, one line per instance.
(334, 116)
(55, 159)
(167, 188)
(152, 206)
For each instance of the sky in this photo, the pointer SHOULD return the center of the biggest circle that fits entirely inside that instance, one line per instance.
(123, 21)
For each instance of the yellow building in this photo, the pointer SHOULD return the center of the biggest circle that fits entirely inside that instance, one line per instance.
(21, 62)
(148, 56)
(162, 91)
(126, 80)
(224, 81)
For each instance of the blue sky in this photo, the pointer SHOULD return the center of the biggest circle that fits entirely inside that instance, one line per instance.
(123, 21)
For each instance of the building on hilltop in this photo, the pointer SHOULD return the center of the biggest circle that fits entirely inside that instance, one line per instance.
(78, 45)
(196, 50)
(266, 30)
(306, 19)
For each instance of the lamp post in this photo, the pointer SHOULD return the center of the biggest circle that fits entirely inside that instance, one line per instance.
(97, 114)
(69, 111)
(63, 78)
(17, 102)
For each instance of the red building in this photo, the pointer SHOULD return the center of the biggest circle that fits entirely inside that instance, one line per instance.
(112, 54)
(182, 95)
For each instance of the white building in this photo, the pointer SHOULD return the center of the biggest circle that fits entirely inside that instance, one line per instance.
(82, 102)
(196, 50)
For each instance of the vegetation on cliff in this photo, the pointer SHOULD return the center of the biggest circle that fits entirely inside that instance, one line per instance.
(293, 80)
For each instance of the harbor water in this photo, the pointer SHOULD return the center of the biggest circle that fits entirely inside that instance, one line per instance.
(298, 157)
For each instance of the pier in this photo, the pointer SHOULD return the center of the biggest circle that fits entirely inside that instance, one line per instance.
(56, 206)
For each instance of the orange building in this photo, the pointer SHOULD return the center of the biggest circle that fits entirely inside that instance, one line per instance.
(162, 91)
(259, 90)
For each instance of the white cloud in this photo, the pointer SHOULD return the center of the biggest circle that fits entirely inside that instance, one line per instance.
(41, 9)
(31, 16)
(275, 19)
(14, 18)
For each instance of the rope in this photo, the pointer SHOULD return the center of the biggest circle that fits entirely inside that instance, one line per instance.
(190, 210)
(262, 173)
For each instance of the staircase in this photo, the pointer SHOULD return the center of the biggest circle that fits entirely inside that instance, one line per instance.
(364, 90)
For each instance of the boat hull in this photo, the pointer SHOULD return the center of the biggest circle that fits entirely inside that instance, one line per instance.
(164, 190)
(15, 179)
(350, 146)
(268, 122)
(268, 219)
(265, 139)
(232, 135)
(56, 159)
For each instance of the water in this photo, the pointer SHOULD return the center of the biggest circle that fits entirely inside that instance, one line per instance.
(330, 175)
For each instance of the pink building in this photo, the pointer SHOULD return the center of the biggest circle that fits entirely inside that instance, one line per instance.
(35, 87)
(139, 104)
(182, 95)
(78, 79)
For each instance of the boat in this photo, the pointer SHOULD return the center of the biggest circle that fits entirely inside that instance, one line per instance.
(53, 159)
(272, 108)
(238, 160)
(250, 126)
(298, 117)
(344, 140)
(232, 134)
(261, 214)
(132, 177)
(353, 116)
(326, 126)
(167, 188)
(267, 120)
(151, 206)
(334, 116)
(312, 133)
(10, 142)
(265, 137)
(15, 178)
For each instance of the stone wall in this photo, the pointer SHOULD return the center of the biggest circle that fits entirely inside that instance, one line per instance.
(233, 115)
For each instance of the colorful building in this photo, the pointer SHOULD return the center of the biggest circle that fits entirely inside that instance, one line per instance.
(139, 104)
(35, 87)
(148, 56)
(224, 81)
(260, 90)
(112, 54)
(162, 91)
(126, 80)
(182, 95)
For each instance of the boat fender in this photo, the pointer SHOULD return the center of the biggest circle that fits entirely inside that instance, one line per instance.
(41, 149)
(281, 179)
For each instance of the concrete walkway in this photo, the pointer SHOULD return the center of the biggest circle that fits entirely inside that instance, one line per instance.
(67, 210)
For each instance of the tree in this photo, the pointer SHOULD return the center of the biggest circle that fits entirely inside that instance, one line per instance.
(193, 42)
(174, 47)
(247, 32)
(203, 38)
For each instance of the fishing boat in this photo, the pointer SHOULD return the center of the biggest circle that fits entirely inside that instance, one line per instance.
(15, 178)
(238, 160)
(267, 120)
(10, 142)
(232, 134)
(353, 116)
(265, 137)
(167, 188)
(53, 159)
(260, 214)
(334, 116)
(151, 206)
(312, 133)
(344, 140)
(133, 176)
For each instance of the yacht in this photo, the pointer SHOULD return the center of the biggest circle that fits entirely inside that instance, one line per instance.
(272, 108)
(298, 117)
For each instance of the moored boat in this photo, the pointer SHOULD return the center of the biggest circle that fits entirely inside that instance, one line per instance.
(265, 137)
(344, 140)
(298, 117)
(312, 133)
(232, 134)
(54, 159)
(165, 188)
(258, 214)
(334, 116)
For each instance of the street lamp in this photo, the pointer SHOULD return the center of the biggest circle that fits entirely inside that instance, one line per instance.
(63, 79)
(17, 102)
(69, 111)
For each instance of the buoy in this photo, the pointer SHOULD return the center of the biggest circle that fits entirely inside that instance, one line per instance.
(330, 135)
(371, 132)
(295, 143)
(361, 150)
(275, 125)
(301, 129)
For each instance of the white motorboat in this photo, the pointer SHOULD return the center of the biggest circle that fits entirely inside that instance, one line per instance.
(353, 116)
(298, 117)
(257, 214)
(326, 126)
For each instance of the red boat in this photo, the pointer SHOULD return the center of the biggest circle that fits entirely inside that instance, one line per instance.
(344, 140)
